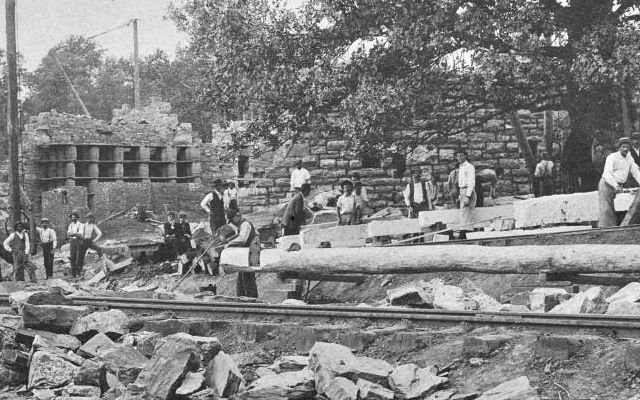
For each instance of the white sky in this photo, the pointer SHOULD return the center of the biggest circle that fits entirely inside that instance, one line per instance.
(44, 23)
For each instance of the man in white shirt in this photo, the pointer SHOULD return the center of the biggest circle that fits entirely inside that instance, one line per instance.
(213, 204)
(299, 176)
(18, 244)
(466, 184)
(230, 196)
(74, 233)
(49, 243)
(419, 195)
(347, 205)
(249, 237)
(90, 235)
(616, 172)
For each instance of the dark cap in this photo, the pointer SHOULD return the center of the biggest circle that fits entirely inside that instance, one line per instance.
(44, 220)
(232, 212)
(635, 135)
(182, 215)
(218, 182)
(89, 215)
(346, 182)
(74, 213)
(171, 214)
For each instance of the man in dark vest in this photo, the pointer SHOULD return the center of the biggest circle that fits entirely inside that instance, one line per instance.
(294, 215)
(184, 234)
(91, 234)
(74, 233)
(247, 237)
(213, 204)
(419, 194)
(49, 243)
(18, 244)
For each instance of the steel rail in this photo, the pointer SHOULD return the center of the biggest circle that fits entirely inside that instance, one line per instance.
(349, 312)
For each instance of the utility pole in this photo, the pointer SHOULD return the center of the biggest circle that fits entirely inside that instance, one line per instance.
(136, 66)
(12, 111)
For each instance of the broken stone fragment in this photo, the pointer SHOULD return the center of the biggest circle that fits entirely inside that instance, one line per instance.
(544, 299)
(49, 371)
(261, 372)
(162, 375)
(44, 340)
(484, 345)
(518, 388)
(367, 368)
(223, 376)
(43, 394)
(113, 323)
(144, 342)
(372, 391)
(584, 302)
(442, 395)
(91, 373)
(408, 382)
(330, 357)
(18, 299)
(192, 382)
(205, 347)
(417, 294)
(82, 391)
(287, 385)
(123, 361)
(53, 318)
(96, 344)
(342, 389)
(291, 363)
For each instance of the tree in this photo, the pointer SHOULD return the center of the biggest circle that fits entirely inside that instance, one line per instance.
(382, 65)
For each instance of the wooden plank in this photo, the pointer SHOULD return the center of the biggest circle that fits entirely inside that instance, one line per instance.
(324, 277)
(585, 279)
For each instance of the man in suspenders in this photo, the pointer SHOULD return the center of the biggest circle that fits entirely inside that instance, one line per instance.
(90, 235)
(74, 233)
(247, 237)
(213, 204)
(48, 242)
(18, 244)
(419, 195)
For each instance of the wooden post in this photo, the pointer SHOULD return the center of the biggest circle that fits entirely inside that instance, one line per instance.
(136, 66)
(12, 111)
(631, 217)
(73, 88)
(527, 154)
(548, 132)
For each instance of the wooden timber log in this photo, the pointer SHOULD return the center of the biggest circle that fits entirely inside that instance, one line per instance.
(578, 259)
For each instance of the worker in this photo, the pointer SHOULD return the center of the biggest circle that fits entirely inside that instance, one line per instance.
(361, 196)
(347, 205)
(230, 196)
(467, 187)
(420, 194)
(544, 176)
(171, 233)
(299, 176)
(452, 186)
(184, 234)
(247, 237)
(491, 177)
(48, 243)
(294, 215)
(635, 148)
(616, 171)
(18, 244)
(213, 204)
(74, 234)
(90, 235)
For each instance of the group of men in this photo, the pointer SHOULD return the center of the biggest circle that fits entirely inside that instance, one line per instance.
(82, 237)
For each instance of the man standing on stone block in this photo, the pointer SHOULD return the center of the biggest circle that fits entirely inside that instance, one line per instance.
(467, 185)
(299, 176)
(347, 205)
(18, 244)
(419, 195)
(48, 242)
(616, 172)
(90, 235)
(213, 204)
(74, 233)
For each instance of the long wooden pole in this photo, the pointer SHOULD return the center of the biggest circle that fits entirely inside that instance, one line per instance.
(136, 66)
(579, 259)
(525, 149)
(12, 111)
(72, 86)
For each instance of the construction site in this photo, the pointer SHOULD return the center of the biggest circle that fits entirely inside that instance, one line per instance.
(143, 258)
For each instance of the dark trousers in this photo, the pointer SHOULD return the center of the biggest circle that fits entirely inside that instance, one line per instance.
(47, 254)
(246, 283)
(215, 222)
(291, 228)
(85, 244)
(416, 208)
(74, 248)
(20, 263)
(479, 193)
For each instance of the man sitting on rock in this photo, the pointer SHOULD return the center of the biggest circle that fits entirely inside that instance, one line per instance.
(247, 237)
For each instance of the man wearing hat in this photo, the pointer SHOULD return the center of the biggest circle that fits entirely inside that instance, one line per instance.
(171, 232)
(49, 243)
(90, 235)
(18, 244)
(419, 195)
(213, 204)
(74, 233)
(247, 237)
(617, 167)
(184, 234)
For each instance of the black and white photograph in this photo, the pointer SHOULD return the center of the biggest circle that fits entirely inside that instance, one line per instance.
(320, 199)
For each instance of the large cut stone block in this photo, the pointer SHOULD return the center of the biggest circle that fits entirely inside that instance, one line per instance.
(55, 318)
(339, 236)
(49, 371)
(113, 323)
(450, 217)
(393, 228)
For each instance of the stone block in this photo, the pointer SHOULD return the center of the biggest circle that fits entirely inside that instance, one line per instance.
(479, 346)
(583, 302)
(328, 163)
(450, 216)
(287, 385)
(49, 371)
(410, 382)
(95, 345)
(54, 318)
(223, 376)
(393, 228)
(446, 154)
(341, 236)
(337, 145)
(123, 361)
(518, 388)
(113, 323)
(544, 299)
(554, 347)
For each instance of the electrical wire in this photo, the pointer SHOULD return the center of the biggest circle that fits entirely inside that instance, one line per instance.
(111, 30)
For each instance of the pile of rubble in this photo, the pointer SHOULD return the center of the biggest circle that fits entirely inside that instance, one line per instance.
(435, 294)
(55, 350)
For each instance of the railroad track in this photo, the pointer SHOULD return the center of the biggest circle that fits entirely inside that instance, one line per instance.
(255, 310)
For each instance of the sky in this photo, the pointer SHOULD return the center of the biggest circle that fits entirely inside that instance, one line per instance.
(41, 24)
